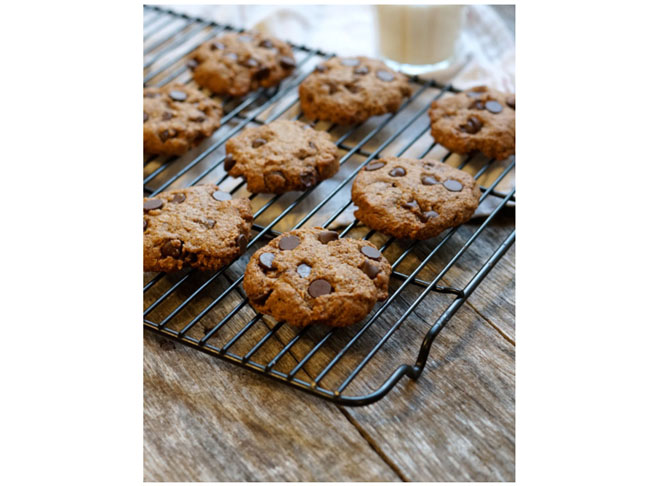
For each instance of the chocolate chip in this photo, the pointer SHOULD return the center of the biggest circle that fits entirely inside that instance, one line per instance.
(287, 62)
(319, 287)
(177, 95)
(371, 269)
(472, 125)
(493, 106)
(178, 198)
(510, 100)
(164, 136)
(307, 179)
(172, 248)
(262, 299)
(145, 225)
(167, 115)
(274, 180)
(289, 242)
(198, 119)
(361, 70)
(397, 172)
(266, 260)
(151, 95)
(251, 62)
(232, 55)
(221, 196)
(262, 73)
(151, 204)
(371, 252)
(429, 215)
(312, 145)
(327, 236)
(192, 64)
(242, 241)
(374, 165)
(352, 87)
(413, 205)
(452, 185)
(384, 75)
(428, 180)
(257, 142)
(209, 223)
(229, 162)
(303, 270)
(267, 43)
(320, 68)
(475, 94)
(477, 105)
(350, 62)
(145, 116)
(216, 45)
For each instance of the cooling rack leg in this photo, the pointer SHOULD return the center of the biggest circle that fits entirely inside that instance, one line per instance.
(459, 301)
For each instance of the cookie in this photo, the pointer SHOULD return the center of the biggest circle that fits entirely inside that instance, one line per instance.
(309, 276)
(176, 118)
(281, 156)
(478, 119)
(352, 89)
(200, 227)
(237, 63)
(411, 198)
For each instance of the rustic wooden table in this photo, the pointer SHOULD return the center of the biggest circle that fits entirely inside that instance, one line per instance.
(207, 420)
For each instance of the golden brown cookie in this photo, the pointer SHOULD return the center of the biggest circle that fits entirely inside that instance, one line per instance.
(237, 63)
(352, 89)
(281, 156)
(411, 198)
(478, 119)
(200, 227)
(310, 276)
(176, 118)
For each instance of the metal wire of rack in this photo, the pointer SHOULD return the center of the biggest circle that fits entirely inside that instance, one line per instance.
(210, 312)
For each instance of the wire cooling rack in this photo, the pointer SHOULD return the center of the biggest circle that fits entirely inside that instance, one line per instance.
(430, 281)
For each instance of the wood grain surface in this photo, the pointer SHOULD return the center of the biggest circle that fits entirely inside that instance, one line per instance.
(209, 420)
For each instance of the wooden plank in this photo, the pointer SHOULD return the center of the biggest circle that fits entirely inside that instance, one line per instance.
(495, 299)
(457, 421)
(206, 420)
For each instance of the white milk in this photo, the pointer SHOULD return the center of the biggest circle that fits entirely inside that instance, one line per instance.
(418, 34)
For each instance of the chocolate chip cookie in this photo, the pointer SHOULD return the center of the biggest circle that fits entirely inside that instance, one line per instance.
(200, 227)
(176, 118)
(281, 156)
(478, 119)
(310, 276)
(352, 89)
(237, 63)
(411, 198)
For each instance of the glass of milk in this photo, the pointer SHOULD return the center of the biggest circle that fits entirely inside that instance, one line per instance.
(418, 39)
